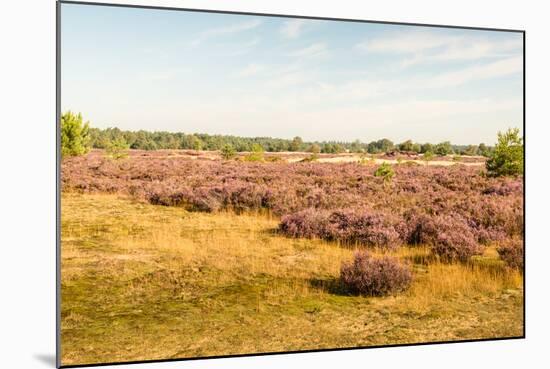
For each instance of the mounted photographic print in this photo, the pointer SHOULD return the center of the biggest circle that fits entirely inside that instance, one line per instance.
(242, 184)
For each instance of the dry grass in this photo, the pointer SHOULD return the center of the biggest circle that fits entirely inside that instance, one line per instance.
(147, 282)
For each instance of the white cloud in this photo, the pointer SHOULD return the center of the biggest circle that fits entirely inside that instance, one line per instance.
(292, 28)
(429, 47)
(406, 42)
(496, 69)
(227, 30)
(314, 50)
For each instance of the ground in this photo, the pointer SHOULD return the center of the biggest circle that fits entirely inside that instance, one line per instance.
(145, 282)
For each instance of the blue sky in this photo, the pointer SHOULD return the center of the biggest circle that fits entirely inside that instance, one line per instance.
(282, 77)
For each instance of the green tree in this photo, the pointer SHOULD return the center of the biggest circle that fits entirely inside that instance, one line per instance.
(296, 144)
(385, 171)
(75, 135)
(427, 147)
(257, 153)
(484, 150)
(507, 156)
(406, 146)
(228, 152)
(314, 148)
(118, 148)
(443, 148)
(471, 150)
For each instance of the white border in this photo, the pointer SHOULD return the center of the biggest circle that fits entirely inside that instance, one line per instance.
(27, 237)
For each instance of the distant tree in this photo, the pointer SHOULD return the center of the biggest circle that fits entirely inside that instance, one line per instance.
(296, 144)
(118, 148)
(356, 146)
(507, 157)
(338, 148)
(195, 143)
(314, 148)
(471, 150)
(406, 146)
(383, 145)
(483, 150)
(443, 148)
(228, 152)
(427, 147)
(75, 135)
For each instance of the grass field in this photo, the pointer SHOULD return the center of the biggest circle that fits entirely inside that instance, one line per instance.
(144, 282)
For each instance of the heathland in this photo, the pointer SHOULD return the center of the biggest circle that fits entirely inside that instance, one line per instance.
(182, 253)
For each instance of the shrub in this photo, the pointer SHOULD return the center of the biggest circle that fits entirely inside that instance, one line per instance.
(449, 236)
(75, 135)
(511, 253)
(348, 226)
(507, 157)
(385, 171)
(228, 152)
(117, 148)
(257, 153)
(370, 276)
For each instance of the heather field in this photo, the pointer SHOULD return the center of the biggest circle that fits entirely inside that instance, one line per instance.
(179, 253)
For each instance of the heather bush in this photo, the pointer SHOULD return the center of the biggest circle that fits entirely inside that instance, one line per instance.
(511, 252)
(449, 236)
(348, 226)
(370, 276)
(488, 208)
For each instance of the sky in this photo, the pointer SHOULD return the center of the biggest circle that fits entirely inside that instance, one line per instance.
(252, 76)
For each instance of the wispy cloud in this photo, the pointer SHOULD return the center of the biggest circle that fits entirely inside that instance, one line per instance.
(292, 28)
(495, 69)
(429, 47)
(314, 50)
(406, 42)
(226, 30)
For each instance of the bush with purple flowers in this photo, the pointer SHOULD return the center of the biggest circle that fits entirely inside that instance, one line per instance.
(367, 275)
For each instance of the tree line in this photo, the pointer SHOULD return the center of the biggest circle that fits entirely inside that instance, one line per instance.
(146, 140)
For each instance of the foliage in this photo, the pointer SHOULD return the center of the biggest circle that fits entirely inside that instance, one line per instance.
(409, 146)
(370, 276)
(296, 144)
(507, 157)
(314, 148)
(443, 148)
(257, 153)
(146, 140)
(118, 148)
(455, 199)
(228, 152)
(75, 138)
(385, 171)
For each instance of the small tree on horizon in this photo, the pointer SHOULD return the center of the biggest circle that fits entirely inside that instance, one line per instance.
(75, 135)
(507, 156)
